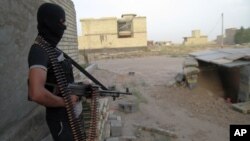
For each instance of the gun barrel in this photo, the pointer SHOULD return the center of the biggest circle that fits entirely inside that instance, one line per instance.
(81, 91)
(104, 92)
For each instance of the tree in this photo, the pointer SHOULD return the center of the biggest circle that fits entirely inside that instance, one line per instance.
(242, 36)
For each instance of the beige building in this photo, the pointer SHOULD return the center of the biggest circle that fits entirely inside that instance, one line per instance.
(128, 31)
(195, 39)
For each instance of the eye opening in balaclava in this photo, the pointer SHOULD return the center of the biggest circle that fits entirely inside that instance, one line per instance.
(51, 18)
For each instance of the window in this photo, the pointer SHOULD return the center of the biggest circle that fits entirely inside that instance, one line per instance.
(124, 28)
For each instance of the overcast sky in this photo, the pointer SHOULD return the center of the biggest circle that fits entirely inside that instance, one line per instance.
(171, 20)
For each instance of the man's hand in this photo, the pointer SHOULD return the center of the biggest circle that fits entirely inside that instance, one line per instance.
(74, 99)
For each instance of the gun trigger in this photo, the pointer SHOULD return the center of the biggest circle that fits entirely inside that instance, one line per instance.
(127, 90)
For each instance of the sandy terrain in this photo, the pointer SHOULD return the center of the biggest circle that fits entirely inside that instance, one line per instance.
(193, 115)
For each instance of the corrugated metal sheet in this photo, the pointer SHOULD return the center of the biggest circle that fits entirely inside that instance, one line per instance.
(202, 53)
(229, 57)
(236, 64)
(211, 57)
(221, 61)
(235, 56)
(235, 50)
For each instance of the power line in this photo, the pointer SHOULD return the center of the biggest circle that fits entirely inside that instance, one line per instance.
(215, 26)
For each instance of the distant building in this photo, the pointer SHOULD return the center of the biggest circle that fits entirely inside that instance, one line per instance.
(163, 43)
(128, 31)
(229, 37)
(195, 39)
(150, 43)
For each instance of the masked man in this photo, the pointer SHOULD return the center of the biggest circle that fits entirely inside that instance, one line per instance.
(42, 80)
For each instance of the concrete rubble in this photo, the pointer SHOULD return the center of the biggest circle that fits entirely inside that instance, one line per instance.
(128, 107)
(115, 124)
(115, 128)
(114, 132)
(157, 130)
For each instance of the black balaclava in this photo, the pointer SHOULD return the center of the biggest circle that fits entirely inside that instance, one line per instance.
(50, 18)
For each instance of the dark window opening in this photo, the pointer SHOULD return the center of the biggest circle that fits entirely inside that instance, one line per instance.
(125, 29)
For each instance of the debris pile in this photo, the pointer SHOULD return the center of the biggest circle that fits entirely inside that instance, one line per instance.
(128, 107)
(191, 70)
(114, 129)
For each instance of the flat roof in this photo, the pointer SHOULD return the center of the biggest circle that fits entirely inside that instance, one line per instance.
(227, 57)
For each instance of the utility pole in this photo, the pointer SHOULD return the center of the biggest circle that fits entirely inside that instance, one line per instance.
(222, 31)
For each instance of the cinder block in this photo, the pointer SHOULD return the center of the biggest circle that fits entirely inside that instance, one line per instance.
(116, 128)
(112, 117)
(128, 107)
(119, 118)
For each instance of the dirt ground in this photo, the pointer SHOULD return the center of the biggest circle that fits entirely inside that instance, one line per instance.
(200, 114)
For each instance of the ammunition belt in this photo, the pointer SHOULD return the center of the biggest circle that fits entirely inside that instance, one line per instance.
(92, 131)
(76, 127)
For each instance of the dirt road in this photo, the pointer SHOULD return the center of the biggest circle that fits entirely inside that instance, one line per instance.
(194, 115)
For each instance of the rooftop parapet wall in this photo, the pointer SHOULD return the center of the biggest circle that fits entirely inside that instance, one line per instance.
(110, 32)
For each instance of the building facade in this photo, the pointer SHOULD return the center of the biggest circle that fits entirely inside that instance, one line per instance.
(128, 31)
(229, 37)
(195, 39)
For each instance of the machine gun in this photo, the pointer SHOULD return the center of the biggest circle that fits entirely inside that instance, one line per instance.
(80, 130)
(93, 93)
(80, 90)
(86, 90)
